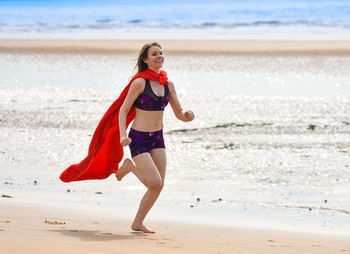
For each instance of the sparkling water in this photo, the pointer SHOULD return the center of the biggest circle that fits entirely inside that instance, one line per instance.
(269, 146)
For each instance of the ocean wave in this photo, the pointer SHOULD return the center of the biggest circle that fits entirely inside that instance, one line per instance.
(87, 16)
(111, 24)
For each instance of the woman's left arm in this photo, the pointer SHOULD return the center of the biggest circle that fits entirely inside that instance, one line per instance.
(180, 114)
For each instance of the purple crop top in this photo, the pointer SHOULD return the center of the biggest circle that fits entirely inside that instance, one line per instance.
(149, 101)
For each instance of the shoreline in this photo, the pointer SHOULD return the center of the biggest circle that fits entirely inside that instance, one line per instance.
(42, 229)
(210, 47)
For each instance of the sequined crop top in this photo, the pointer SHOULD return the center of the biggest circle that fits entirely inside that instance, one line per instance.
(149, 101)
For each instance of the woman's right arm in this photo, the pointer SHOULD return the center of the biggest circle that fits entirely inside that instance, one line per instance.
(180, 114)
(136, 88)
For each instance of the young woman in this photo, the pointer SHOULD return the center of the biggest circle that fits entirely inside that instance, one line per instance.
(145, 138)
(142, 102)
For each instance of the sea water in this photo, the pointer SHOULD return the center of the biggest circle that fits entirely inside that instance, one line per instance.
(269, 146)
(176, 19)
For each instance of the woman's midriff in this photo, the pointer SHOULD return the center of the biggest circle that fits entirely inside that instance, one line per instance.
(148, 121)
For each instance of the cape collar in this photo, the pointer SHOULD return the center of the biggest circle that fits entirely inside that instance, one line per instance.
(152, 75)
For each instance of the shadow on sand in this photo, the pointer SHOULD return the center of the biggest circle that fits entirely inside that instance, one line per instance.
(93, 235)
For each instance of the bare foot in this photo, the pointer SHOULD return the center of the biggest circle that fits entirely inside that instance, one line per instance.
(127, 167)
(142, 228)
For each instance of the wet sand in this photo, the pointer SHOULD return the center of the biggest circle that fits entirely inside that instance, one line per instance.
(41, 229)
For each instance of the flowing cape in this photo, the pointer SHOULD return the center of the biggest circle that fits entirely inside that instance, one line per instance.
(105, 151)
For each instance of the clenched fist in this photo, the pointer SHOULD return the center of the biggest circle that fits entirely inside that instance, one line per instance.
(189, 116)
(124, 141)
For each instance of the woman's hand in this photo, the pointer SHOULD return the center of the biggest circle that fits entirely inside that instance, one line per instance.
(189, 116)
(124, 141)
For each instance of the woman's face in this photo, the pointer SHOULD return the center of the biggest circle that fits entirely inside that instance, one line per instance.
(155, 58)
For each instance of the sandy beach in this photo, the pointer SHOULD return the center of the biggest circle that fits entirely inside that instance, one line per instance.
(235, 47)
(303, 131)
(25, 229)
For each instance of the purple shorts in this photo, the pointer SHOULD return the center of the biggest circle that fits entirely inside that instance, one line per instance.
(143, 142)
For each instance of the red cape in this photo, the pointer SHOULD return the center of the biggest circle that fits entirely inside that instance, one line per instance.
(105, 150)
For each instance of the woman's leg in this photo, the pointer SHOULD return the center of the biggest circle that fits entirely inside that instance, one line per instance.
(153, 177)
(159, 158)
(127, 167)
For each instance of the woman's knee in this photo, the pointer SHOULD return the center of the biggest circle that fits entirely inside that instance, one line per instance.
(155, 184)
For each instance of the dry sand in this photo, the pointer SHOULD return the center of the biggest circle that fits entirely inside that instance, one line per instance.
(237, 47)
(37, 230)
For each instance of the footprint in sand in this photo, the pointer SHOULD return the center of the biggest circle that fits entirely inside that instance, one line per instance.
(163, 244)
(54, 222)
(106, 233)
